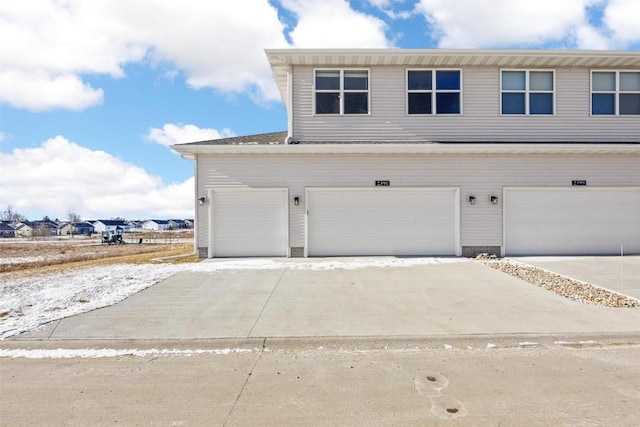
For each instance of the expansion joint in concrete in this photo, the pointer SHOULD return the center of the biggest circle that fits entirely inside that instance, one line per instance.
(267, 302)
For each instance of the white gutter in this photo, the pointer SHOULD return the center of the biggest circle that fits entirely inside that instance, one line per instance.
(188, 151)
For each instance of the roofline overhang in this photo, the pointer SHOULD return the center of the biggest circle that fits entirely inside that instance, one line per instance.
(191, 151)
(282, 60)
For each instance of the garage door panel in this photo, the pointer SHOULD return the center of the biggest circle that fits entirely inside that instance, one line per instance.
(347, 222)
(571, 221)
(250, 222)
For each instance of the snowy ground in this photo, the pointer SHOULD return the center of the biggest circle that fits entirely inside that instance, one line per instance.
(29, 302)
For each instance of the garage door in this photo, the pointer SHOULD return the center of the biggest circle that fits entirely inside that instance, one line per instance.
(248, 222)
(571, 221)
(387, 221)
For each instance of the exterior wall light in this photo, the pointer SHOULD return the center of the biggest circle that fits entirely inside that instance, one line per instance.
(471, 200)
(493, 200)
(202, 201)
(296, 201)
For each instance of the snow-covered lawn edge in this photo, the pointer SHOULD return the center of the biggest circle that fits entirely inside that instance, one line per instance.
(88, 353)
(30, 302)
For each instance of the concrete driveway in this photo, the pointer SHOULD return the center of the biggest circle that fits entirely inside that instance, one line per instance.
(435, 298)
(618, 274)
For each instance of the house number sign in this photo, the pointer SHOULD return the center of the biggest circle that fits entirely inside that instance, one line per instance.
(382, 183)
(578, 182)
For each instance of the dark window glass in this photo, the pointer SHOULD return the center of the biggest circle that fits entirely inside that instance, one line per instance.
(327, 80)
(419, 80)
(419, 103)
(629, 104)
(603, 104)
(327, 103)
(356, 80)
(356, 103)
(513, 103)
(541, 103)
(447, 80)
(448, 103)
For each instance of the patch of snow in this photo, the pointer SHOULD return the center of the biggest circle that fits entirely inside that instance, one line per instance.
(325, 263)
(528, 344)
(448, 346)
(491, 345)
(87, 353)
(21, 260)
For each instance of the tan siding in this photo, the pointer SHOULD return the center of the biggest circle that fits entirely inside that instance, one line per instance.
(481, 119)
(481, 176)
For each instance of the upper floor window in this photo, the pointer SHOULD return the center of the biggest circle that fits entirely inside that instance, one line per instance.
(342, 91)
(615, 93)
(433, 92)
(527, 92)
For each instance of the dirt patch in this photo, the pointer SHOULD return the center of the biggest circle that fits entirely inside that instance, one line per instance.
(37, 257)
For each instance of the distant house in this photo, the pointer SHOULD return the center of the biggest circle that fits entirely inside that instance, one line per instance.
(134, 225)
(36, 229)
(189, 223)
(177, 224)
(23, 229)
(156, 225)
(6, 230)
(83, 228)
(103, 225)
(64, 229)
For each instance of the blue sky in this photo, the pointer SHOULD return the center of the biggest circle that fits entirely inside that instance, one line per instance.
(92, 93)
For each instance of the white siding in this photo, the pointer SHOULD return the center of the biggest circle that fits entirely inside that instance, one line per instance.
(478, 175)
(481, 119)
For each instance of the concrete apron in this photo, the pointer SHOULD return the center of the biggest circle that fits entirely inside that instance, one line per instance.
(462, 298)
(617, 273)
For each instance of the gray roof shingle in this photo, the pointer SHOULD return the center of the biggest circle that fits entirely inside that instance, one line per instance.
(273, 138)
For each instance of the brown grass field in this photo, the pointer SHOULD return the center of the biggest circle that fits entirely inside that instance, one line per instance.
(36, 257)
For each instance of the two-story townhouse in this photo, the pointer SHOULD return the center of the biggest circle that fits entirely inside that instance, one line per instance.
(431, 152)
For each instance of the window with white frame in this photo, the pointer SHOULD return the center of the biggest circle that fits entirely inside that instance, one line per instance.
(342, 92)
(434, 92)
(615, 93)
(527, 92)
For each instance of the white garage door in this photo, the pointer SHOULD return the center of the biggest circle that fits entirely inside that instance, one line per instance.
(571, 221)
(248, 222)
(386, 221)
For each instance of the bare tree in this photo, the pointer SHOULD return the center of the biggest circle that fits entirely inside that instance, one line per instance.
(73, 219)
(12, 216)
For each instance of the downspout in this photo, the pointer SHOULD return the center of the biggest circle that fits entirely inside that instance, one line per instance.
(289, 105)
(196, 224)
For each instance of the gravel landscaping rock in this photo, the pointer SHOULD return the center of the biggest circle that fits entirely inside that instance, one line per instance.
(561, 285)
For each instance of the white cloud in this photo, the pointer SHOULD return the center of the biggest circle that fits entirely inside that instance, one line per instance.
(171, 134)
(61, 175)
(389, 8)
(39, 91)
(54, 43)
(623, 19)
(334, 24)
(505, 23)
